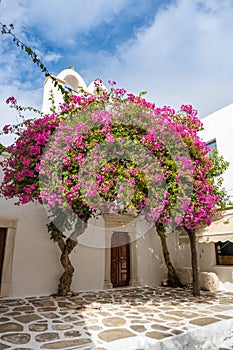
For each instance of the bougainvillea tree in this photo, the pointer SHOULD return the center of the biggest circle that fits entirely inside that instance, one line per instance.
(112, 152)
(208, 197)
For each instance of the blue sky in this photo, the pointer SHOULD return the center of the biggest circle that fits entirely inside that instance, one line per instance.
(178, 51)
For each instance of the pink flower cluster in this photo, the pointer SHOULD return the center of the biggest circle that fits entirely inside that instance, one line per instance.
(157, 165)
(21, 168)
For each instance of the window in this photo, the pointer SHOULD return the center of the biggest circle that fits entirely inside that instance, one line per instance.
(224, 253)
(212, 145)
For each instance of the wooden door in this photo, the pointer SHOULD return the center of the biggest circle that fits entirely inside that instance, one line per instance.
(120, 259)
(2, 248)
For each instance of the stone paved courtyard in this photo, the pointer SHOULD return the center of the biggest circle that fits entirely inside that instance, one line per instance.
(130, 318)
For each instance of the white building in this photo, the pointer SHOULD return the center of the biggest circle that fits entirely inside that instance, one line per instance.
(216, 241)
(29, 260)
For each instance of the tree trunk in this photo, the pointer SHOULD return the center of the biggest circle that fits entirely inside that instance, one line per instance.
(66, 247)
(66, 277)
(173, 280)
(192, 239)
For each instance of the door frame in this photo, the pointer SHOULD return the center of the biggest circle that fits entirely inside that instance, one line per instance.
(126, 234)
(5, 282)
(121, 223)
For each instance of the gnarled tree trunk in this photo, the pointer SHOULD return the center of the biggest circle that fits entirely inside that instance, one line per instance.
(192, 240)
(66, 247)
(173, 280)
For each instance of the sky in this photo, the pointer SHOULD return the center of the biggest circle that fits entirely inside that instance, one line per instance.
(179, 51)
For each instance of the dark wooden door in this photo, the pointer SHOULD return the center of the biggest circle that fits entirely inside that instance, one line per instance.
(2, 248)
(120, 259)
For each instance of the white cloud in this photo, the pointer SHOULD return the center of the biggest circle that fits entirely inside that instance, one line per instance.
(61, 20)
(24, 98)
(184, 57)
(58, 20)
(15, 13)
(49, 57)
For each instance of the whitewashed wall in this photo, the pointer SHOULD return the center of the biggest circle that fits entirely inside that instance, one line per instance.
(219, 126)
(208, 263)
(151, 267)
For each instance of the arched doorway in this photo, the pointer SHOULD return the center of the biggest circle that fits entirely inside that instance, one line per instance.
(120, 259)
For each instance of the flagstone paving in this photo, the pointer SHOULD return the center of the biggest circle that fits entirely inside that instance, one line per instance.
(130, 318)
